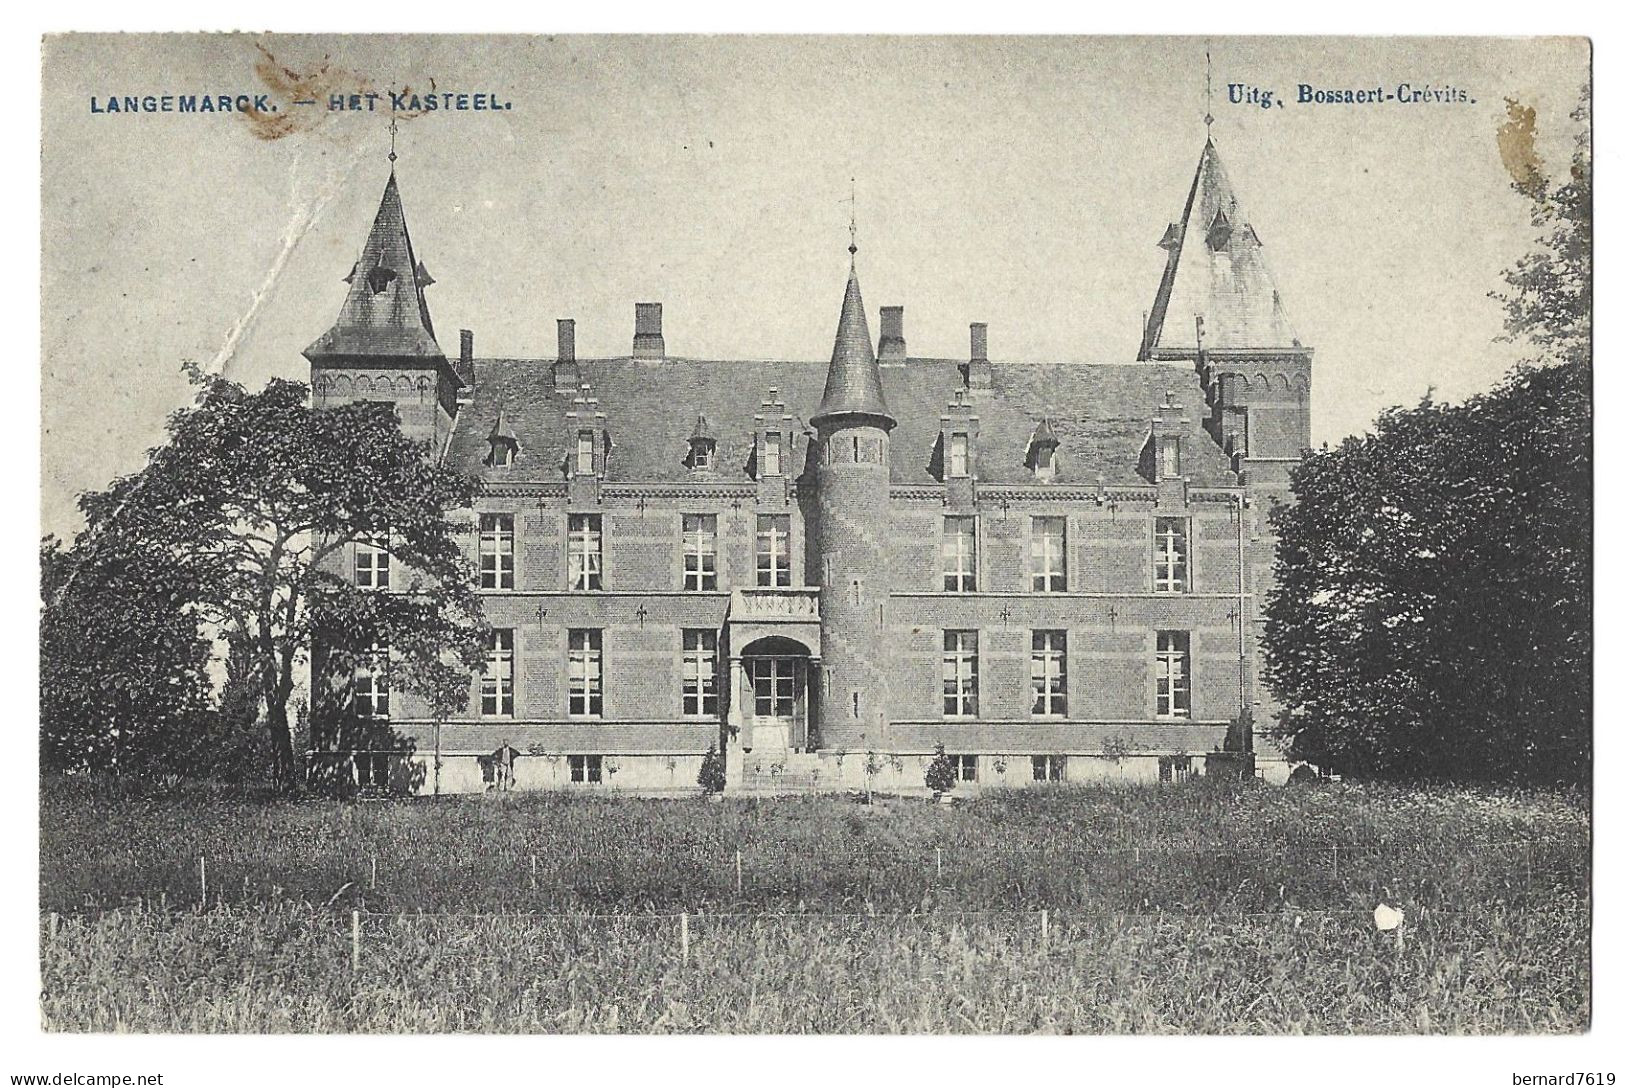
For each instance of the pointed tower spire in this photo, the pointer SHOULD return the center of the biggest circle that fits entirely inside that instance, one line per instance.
(1215, 272)
(852, 387)
(385, 313)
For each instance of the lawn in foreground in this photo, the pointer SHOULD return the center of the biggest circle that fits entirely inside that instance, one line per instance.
(1193, 908)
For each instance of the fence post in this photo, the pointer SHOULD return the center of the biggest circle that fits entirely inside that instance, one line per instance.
(739, 879)
(355, 940)
(373, 882)
(1043, 929)
(682, 934)
(203, 880)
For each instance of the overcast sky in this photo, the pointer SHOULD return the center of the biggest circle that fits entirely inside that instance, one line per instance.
(1021, 182)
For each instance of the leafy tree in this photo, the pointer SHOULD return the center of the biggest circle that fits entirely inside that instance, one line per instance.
(1548, 303)
(123, 670)
(246, 515)
(1432, 610)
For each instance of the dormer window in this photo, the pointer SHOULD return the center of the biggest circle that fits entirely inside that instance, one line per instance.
(959, 454)
(702, 447)
(1041, 451)
(504, 445)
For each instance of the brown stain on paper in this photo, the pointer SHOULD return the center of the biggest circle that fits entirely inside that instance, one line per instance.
(1516, 139)
(289, 86)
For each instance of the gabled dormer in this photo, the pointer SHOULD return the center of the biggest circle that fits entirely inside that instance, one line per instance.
(958, 429)
(702, 447)
(1043, 452)
(588, 447)
(504, 444)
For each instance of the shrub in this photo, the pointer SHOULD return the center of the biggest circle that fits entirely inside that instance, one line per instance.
(939, 776)
(713, 773)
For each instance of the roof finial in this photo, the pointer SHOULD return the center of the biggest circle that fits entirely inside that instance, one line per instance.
(852, 225)
(1207, 118)
(394, 127)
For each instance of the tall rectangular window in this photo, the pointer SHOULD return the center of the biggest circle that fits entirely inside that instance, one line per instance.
(772, 448)
(372, 683)
(586, 673)
(372, 563)
(959, 554)
(496, 685)
(959, 674)
(586, 551)
(699, 551)
(1047, 555)
(584, 459)
(1049, 674)
(959, 455)
(1167, 458)
(1171, 569)
(1173, 674)
(700, 672)
(496, 551)
(773, 550)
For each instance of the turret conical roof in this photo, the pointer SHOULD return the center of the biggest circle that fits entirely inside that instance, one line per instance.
(852, 387)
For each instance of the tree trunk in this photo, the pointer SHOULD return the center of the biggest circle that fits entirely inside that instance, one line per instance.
(276, 718)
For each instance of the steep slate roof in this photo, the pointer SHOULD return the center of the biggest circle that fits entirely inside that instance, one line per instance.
(385, 313)
(852, 386)
(1215, 270)
(1101, 414)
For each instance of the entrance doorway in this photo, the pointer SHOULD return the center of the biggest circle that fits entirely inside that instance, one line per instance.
(775, 694)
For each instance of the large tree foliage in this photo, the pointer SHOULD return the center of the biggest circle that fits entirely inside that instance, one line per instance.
(246, 516)
(1432, 610)
(1548, 300)
(123, 669)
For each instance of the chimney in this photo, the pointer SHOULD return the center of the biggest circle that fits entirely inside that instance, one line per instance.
(647, 341)
(893, 348)
(979, 374)
(466, 346)
(566, 374)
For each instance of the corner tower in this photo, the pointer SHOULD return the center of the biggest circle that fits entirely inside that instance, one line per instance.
(852, 482)
(1217, 306)
(382, 347)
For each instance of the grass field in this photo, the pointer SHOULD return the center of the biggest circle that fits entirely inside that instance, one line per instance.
(1196, 908)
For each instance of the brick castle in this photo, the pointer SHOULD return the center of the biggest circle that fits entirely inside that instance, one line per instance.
(1054, 570)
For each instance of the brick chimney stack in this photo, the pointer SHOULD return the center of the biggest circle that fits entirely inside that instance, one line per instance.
(466, 346)
(893, 349)
(566, 373)
(647, 340)
(979, 374)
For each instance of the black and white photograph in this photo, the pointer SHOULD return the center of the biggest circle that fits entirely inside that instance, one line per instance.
(824, 535)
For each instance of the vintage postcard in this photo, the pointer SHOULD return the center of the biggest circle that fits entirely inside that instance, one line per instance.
(816, 535)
